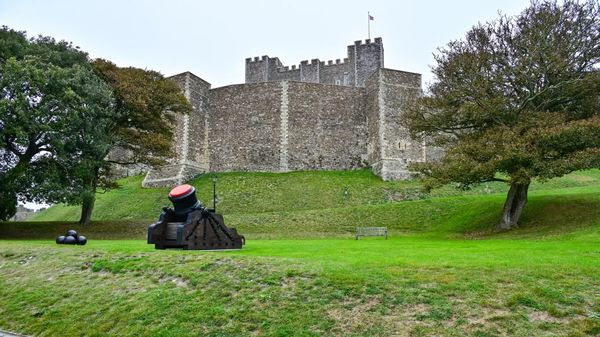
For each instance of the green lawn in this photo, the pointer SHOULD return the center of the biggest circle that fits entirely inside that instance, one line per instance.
(405, 286)
(445, 271)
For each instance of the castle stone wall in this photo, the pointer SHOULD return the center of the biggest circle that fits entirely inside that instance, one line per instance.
(369, 58)
(191, 131)
(310, 72)
(373, 121)
(290, 75)
(320, 115)
(338, 74)
(281, 126)
(189, 138)
(392, 149)
(326, 126)
(257, 69)
(244, 124)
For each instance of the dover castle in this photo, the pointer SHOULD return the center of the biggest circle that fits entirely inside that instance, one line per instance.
(333, 115)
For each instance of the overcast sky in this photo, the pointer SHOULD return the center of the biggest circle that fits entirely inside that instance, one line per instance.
(213, 38)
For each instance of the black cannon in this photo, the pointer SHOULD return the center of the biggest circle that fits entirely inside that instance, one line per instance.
(188, 225)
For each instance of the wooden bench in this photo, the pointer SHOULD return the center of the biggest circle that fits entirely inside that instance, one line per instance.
(371, 231)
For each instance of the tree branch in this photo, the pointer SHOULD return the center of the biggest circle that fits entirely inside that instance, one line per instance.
(496, 179)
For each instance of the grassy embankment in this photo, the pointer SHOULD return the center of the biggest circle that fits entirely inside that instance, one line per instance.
(445, 271)
(326, 204)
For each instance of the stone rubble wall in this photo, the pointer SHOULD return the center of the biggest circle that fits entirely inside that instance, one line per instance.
(290, 125)
(281, 126)
(391, 149)
(189, 137)
(369, 59)
(326, 126)
(244, 127)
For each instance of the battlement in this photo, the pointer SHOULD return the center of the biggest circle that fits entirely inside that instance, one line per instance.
(257, 59)
(368, 42)
(363, 59)
(313, 62)
(336, 62)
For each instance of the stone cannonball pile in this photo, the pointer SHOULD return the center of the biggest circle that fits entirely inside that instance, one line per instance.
(71, 238)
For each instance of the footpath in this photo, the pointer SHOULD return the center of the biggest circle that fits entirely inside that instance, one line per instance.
(10, 334)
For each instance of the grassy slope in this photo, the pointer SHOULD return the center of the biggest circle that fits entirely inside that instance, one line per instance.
(296, 191)
(313, 204)
(245, 193)
(546, 215)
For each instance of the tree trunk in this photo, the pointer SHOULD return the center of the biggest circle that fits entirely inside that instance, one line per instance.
(513, 206)
(9, 190)
(89, 197)
(8, 204)
(87, 206)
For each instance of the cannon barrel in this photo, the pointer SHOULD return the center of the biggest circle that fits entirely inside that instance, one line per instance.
(184, 199)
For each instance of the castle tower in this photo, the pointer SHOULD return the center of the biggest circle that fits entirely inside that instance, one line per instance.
(190, 138)
(390, 149)
(367, 58)
(257, 70)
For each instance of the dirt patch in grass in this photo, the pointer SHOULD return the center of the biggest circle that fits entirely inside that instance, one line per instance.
(177, 281)
(487, 315)
(353, 314)
(543, 316)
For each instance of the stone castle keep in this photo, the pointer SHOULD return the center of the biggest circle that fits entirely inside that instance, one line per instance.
(316, 116)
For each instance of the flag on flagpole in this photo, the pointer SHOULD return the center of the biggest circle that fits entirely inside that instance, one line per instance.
(369, 19)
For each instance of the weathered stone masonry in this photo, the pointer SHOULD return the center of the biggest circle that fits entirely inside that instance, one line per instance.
(317, 116)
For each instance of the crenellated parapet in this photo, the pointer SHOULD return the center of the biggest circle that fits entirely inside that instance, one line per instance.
(363, 59)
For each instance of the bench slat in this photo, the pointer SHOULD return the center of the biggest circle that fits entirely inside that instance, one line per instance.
(371, 231)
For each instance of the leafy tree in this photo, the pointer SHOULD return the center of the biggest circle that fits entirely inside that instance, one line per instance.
(58, 131)
(75, 176)
(49, 96)
(12, 44)
(145, 103)
(516, 99)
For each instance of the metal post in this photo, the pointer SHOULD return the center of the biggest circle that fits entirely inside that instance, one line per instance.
(214, 181)
(369, 24)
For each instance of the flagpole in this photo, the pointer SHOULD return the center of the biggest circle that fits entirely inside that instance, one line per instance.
(369, 24)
